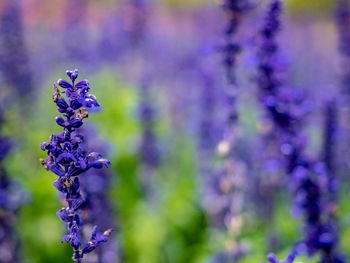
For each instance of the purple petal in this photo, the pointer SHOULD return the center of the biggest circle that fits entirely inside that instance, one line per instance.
(64, 84)
(77, 203)
(94, 155)
(76, 123)
(60, 121)
(76, 104)
(57, 169)
(82, 83)
(72, 74)
(64, 215)
(44, 145)
(91, 101)
(65, 238)
(74, 171)
(94, 232)
(59, 185)
(100, 162)
(62, 104)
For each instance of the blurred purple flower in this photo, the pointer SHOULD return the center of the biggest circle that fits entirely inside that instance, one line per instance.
(14, 64)
(330, 235)
(342, 18)
(75, 33)
(234, 10)
(147, 114)
(224, 191)
(287, 108)
(98, 209)
(273, 259)
(206, 129)
(148, 149)
(12, 197)
(68, 160)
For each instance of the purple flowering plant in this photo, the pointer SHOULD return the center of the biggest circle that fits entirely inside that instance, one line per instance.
(287, 109)
(68, 160)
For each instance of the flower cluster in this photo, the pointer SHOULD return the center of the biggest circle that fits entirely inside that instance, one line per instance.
(67, 159)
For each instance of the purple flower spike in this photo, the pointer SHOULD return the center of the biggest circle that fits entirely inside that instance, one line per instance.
(67, 159)
(286, 108)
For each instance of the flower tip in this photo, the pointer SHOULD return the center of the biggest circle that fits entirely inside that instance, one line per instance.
(60, 120)
(43, 145)
(72, 74)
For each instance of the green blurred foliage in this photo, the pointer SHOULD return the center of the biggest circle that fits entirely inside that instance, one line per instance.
(311, 7)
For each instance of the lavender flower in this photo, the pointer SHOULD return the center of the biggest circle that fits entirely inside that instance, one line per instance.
(280, 107)
(67, 159)
(234, 10)
(13, 53)
(224, 197)
(76, 31)
(271, 166)
(268, 82)
(207, 102)
(148, 147)
(330, 131)
(138, 38)
(330, 233)
(287, 109)
(136, 22)
(342, 17)
(343, 23)
(12, 197)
